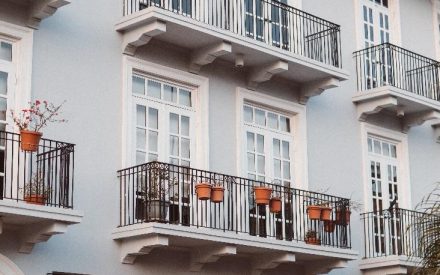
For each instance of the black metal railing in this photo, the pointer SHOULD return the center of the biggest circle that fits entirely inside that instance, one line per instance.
(390, 65)
(395, 232)
(267, 21)
(165, 193)
(43, 177)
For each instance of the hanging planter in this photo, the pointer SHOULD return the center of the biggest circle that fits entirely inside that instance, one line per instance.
(329, 226)
(30, 140)
(326, 213)
(262, 195)
(203, 191)
(217, 193)
(314, 212)
(275, 205)
(343, 216)
(311, 238)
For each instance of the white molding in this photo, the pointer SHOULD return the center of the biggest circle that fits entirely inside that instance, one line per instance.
(201, 106)
(299, 131)
(8, 267)
(401, 140)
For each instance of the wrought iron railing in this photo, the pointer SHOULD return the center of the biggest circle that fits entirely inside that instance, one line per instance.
(165, 193)
(390, 65)
(395, 232)
(268, 21)
(41, 177)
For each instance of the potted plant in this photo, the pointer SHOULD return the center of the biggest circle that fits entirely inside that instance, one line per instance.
(30, 122)
(217, 193)
(262, 195)
(311, 238)
(203, 190)
(35, 192)
(329, 226)
(275, 203)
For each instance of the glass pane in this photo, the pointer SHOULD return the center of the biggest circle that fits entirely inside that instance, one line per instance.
(272, 120)
(3, 83)
(141, 119)
(185, 97)
(185, 148)
(138, 85)
(251, 162)
(174, 123)
(286, 169)
(170, 93)
(285, 124)
(260, 144)
(141, 138)
(174, 146)
(140, 157)
(248, 114)
(185, 126)
(277, 168)
(276, 148)
(250, 141)
(286, 153)
(152, 141)
(3, 108)
(261, 164)
(153, 89)
(260, 117)
(6, 51)
(153, 118)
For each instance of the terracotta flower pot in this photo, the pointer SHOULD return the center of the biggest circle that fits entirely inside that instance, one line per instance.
(341, 218)
(275, 205)
(326, 213)
(217, 193)
(262, 195)
(329, 226)
(203, 191)
(312, 240)
(30, 140)
(35, 199)
(314, 212)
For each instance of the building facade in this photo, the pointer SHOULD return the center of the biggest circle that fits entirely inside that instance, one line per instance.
(333, 105)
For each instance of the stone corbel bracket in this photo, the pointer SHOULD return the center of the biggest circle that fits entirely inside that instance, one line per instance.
(131, 249)
(30, 236)
(417, 119)
(135, 38)
(436, 127)
(205, 255)
(265, 73)
(316, 88)
(43, 9)
(260, 264)
(207, 55)
(374, 106)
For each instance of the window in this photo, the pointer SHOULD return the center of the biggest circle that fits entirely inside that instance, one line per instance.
(268, 142)
(163, 121)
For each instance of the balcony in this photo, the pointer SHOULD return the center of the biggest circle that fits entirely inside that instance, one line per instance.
(392, 241)
(36, 190)
(396, 82)
(31, 12)
(159, 210)
(268, 38)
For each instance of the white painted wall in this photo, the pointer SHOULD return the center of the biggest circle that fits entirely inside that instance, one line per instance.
(77, 57)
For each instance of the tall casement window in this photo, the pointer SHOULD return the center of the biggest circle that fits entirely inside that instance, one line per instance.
(163, 121)
(376, 30)
(7, 78)
(268, 145)
(384, 194)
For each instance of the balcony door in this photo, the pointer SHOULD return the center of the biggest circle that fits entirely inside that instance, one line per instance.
(267, 21)
(269, 142)
(384, 194)
(376, 31)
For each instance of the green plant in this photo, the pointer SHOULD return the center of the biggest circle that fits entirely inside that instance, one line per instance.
(427, 227)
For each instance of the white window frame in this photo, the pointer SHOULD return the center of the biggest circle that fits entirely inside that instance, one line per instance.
(394, 21)
(403, 173)
(21, 39)
(200, 100)
(298, 128)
